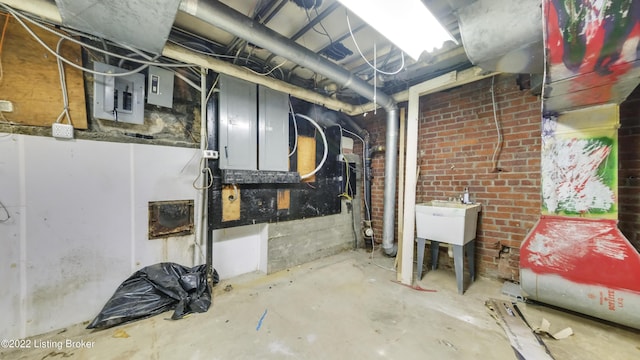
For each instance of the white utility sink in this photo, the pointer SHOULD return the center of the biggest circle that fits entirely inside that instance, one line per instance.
(447, 221)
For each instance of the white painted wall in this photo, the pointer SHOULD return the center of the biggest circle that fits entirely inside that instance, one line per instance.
(78, 225)
(246, 245)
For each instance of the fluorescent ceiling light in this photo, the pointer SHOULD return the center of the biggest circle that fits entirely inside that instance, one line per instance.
(406, 23)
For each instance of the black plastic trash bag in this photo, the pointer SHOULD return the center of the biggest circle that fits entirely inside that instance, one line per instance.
(156, 289)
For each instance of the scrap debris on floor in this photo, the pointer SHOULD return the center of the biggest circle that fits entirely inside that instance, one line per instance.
(526, 343)
(343, 306)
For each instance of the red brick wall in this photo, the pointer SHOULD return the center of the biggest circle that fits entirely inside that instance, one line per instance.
(629, 165)
(456, 143)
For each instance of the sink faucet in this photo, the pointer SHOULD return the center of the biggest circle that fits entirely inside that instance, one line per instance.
(464, 198)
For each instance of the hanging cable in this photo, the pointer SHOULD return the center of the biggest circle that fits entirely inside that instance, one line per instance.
(39, 40)
(295, 128)
(324, 141)
(269, 72)
(208, 174)
(325, 33)
(19, 17)
(209, 52)
(4, 208)
(494, 161)
(364, 179)
(63, 86)
(161, 65)
(367, 61)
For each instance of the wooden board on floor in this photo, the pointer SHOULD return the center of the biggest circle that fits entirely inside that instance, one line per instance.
(31, 81)
(306, 156)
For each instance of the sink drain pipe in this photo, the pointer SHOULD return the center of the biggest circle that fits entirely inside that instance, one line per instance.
(235, 23)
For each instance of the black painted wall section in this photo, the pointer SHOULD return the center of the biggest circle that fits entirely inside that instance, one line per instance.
(258, 202)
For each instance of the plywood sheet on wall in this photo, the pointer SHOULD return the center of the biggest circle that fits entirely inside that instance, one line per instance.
(30, 78)
(306, 156)
(230, 203)
(284, 199)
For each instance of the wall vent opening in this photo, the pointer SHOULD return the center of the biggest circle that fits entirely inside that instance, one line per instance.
(170, 218)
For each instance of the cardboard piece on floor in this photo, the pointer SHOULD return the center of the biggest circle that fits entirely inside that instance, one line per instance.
(526, 344)
(545, 329)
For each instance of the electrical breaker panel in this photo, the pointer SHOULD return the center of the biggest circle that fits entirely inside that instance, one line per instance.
(273, 130)
(238, 131)
(118, 98)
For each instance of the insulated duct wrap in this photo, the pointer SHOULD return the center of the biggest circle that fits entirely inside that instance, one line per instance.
(503, 35)
(142, 24)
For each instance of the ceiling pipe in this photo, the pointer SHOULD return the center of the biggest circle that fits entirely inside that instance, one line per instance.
(239, 25)
(235, 23)
(181, 54)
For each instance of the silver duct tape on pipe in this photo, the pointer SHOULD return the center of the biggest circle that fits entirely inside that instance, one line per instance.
(227, 19)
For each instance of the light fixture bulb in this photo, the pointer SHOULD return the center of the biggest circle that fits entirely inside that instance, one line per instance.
(406, 23)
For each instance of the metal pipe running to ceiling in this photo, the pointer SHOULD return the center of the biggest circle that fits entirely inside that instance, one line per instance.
(235, 23)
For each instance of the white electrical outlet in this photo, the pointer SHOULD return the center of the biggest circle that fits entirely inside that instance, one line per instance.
(6, 106)
(62, 131)
(210, 154)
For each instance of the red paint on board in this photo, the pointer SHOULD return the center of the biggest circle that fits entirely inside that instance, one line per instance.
(584, 251)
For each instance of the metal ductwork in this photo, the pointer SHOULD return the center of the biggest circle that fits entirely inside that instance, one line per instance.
(503, 35)
(235, 23)
(121, 21)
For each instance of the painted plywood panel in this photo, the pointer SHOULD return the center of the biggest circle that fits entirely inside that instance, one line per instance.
(10, 237)
(230, 203)
(284, 199)
(172, 180)
(31, 82)
(78, 228)
(78, 225)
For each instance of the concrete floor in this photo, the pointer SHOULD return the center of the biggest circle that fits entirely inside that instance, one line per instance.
(340, 307)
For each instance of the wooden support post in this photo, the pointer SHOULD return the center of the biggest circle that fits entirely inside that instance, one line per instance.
(402, 147)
